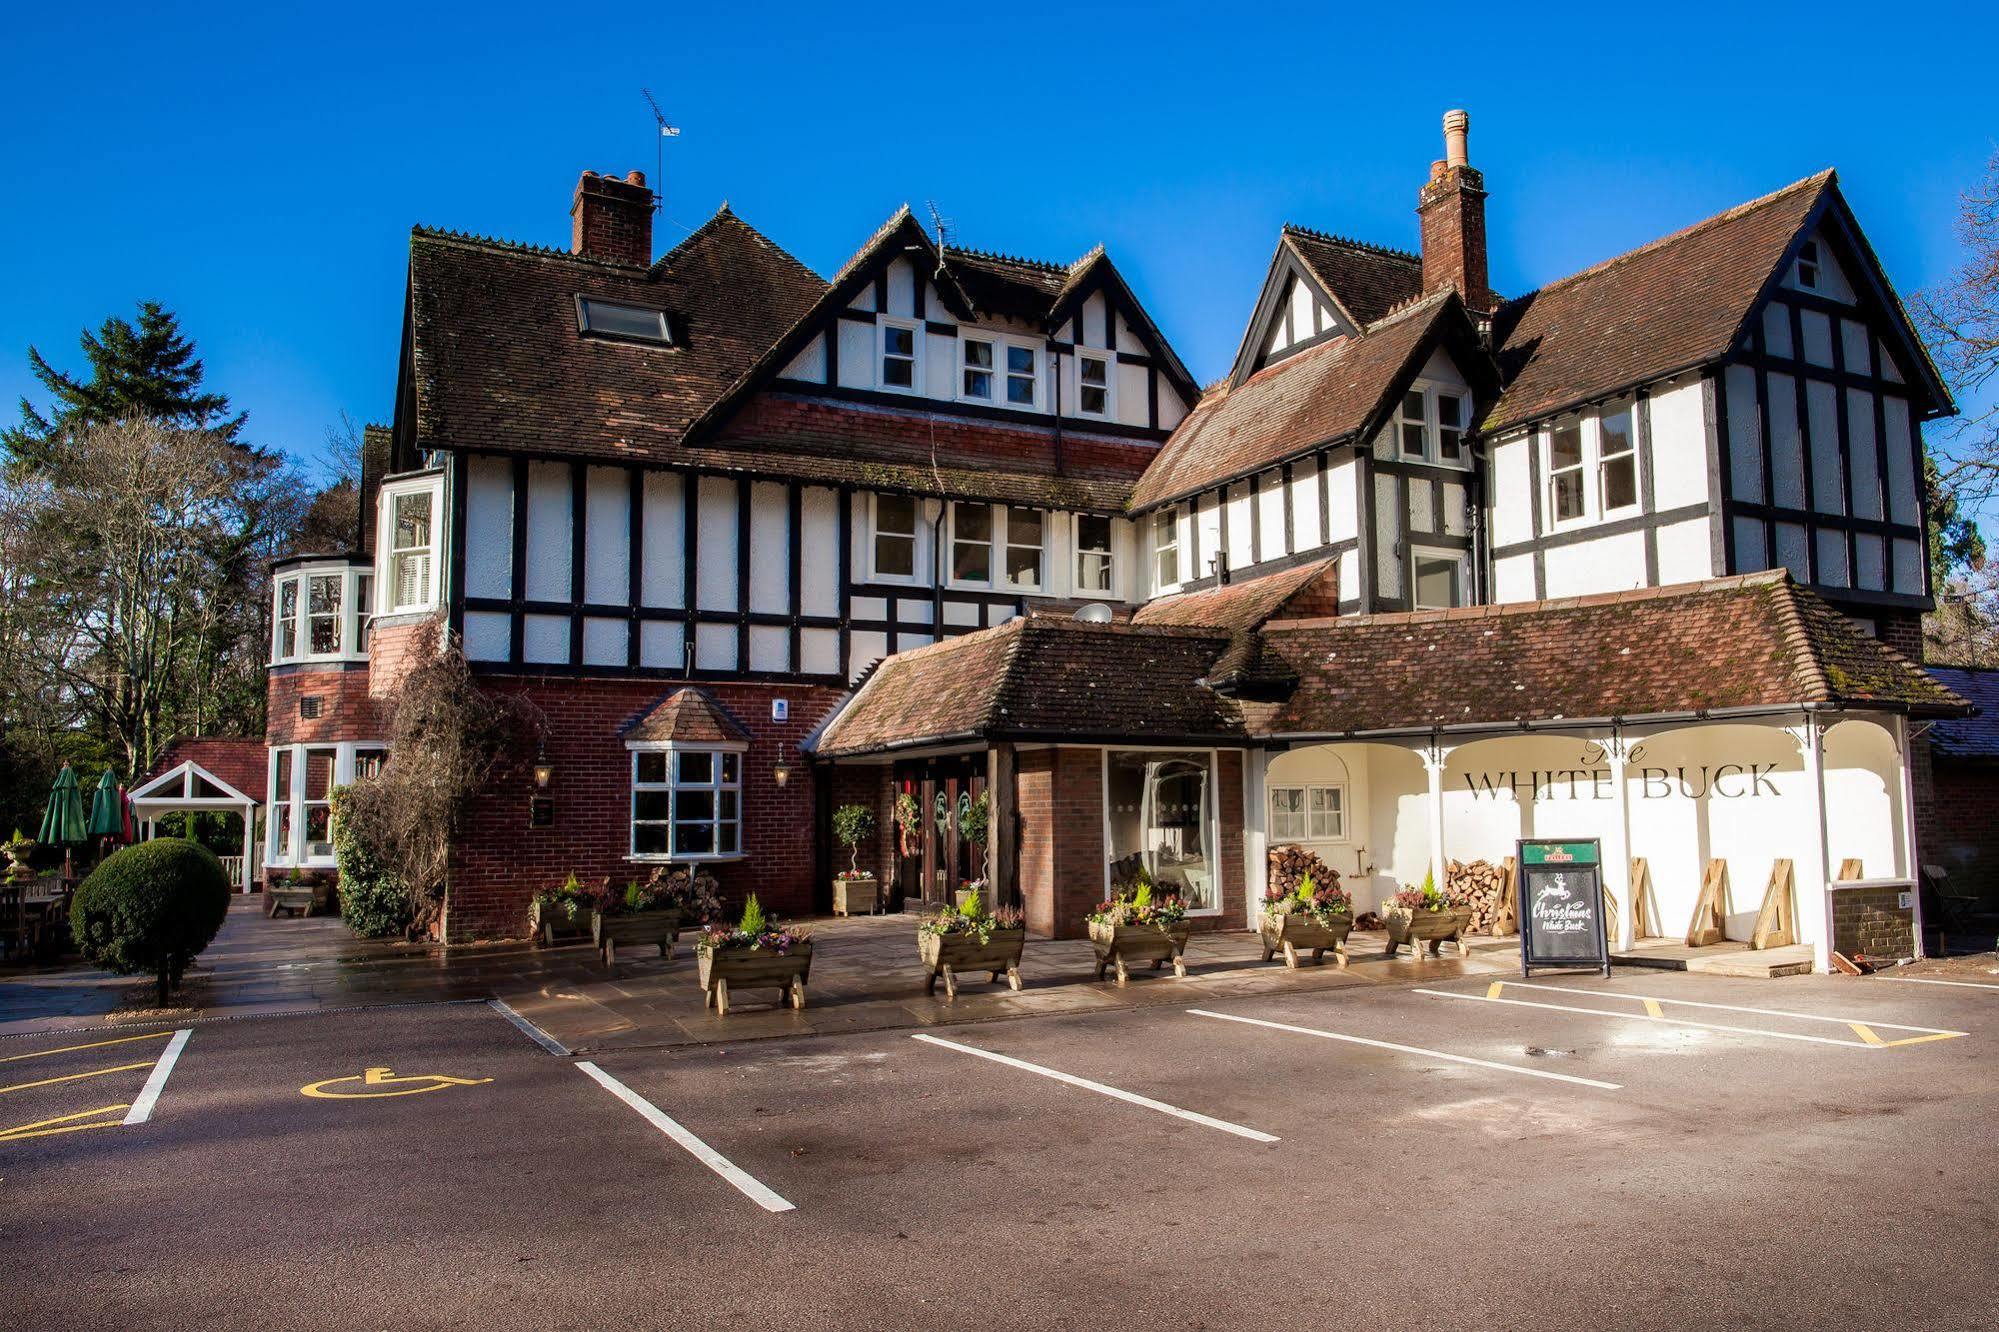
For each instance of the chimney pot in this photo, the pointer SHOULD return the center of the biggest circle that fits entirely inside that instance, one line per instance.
(1457, 129)
(1451, 205)
(611, 218)
(635, 178)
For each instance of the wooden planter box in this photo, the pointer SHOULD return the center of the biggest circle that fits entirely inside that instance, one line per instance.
(1122, 947)
(1407, 925)
(1295, 932)
(856, 895)
(642, 927)
(948, 955)
(753, 969)
(545, 927)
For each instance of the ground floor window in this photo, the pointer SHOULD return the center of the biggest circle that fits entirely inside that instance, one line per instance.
(1160, 816)
(299, 827)
(687, 804)
(1308, 813)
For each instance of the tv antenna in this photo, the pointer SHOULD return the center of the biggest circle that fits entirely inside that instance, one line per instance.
(666, 132)
(942, 226)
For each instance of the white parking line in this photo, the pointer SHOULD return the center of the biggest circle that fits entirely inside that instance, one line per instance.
(1729, 1008)
(1926, 980)
(528, 1029)
(1414, 1050)
(1099, 1088)
(1648, 1017)
(156, 1081)
(747, 1184)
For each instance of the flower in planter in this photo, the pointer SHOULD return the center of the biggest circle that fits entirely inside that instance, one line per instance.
(1426, 898)
(972, 918)
(1328, 906)
(755, 931)
(1140, 907)
(566, 901)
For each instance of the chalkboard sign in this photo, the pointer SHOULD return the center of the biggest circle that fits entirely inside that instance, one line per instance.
(1561, 907)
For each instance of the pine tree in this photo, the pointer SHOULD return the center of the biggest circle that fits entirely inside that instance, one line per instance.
(144, 370)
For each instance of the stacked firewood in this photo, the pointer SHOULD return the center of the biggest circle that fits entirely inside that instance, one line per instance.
(1290, 864)
(1478, 884)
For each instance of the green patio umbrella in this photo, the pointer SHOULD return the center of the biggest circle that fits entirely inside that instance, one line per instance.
(106, 817)
(62, 824)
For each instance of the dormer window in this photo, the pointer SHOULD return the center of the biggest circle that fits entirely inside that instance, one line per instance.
(1808, 265)
(1430, 425)
(629, 323)
(1093, 385)
(898, 356)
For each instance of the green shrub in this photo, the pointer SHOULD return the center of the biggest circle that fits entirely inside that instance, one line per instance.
(374, 901)
(151, 908)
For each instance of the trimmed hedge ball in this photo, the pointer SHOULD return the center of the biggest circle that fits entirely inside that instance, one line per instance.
(151, 909)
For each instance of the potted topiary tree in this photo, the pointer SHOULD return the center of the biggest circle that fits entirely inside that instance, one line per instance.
(854, 889)
(967, 938)
(1136, 926)
(151, 909)
(1418, 916)
(1308, 917)
(759, 952)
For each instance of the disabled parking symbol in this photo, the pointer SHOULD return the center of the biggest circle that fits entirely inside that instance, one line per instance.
(379, 1082)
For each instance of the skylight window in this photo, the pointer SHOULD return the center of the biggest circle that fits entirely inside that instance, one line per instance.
(633, 323)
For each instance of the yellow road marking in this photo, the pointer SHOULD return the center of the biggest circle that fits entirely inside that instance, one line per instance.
(1865, 1034)
(40, 1128)
(73, 1077)
(91, 1045)
(1497, 986)
(1653, 1010)
(381, 1077)
(1652, 1007)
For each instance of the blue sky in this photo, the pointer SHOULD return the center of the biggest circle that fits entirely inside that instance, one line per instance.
(258, 171)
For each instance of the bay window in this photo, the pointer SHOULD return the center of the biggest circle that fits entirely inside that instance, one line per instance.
(322, 610)
(898, 356)
(412, 566)
(1093, 384)
(1095, 564)
(1159, 816)
(686, 803)
(894, 536)
(299, 826)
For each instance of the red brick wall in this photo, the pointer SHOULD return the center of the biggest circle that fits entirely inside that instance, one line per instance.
(1903, 631)
(347, 710)
(869, 786)
(499, 862)
(611, 218)
(1956, 824)
(1451, 207)
(391, 651)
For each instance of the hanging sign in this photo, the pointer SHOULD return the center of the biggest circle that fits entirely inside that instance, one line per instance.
(1561, 906)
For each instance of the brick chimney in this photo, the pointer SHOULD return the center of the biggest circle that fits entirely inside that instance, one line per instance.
(612, 219)
(1452, 208)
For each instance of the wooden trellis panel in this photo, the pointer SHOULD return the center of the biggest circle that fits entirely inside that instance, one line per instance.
(1711, 911)
(1775, 927)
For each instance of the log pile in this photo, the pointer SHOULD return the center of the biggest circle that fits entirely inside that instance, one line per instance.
(1289, 864)
(1480, 885)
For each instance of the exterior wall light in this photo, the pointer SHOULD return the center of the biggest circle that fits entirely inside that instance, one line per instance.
(780, 771)
(544, 770)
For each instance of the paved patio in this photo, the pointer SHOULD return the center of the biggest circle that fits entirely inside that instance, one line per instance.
(865, 977)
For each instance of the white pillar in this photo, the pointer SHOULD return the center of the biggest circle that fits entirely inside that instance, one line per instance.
(249, 841)
(1255, 833)
(1911, 867)
(1434, 758)
(1617, 850)
(1814, 906)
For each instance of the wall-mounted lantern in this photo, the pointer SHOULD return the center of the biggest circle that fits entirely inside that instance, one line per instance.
(780, 771)
(544, 769)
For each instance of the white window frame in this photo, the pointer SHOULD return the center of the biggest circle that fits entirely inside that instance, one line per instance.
(1004, 545)
(1305, 791)
(875, 533)
(340, 615)
(1433, 393)
(1171, 518)
(673, 752)
(994, 520)
(1109, 360)
(1108, 555)
(1007, 374)
(385, 582)
(991, 370)
(1214, 830)
(1812, 261)
(281, 622)
(1589, 427)
(1628, 408)
(357, 584)
(1581, 468)
(1459, 558)
(289, 851)
(883, 323)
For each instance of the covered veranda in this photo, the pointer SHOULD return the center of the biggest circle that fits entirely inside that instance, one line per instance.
(206, 777)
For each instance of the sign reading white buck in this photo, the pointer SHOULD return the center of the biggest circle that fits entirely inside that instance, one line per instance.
(1561, 901)
(1590, 779)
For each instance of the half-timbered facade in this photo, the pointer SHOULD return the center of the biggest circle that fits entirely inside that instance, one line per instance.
(717, 485)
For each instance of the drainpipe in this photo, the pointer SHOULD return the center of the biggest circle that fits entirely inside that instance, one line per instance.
(1055, 374)
(938, 565)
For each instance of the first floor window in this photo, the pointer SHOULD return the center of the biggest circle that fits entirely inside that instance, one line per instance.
(1308, 813)
(281, 806)
(410, 550)
(1166, 548)
(364, 610)
(686, 803)
(895, 536)
(1160, 809)
(971, 543)
(1453, 418)
(1566, 498)
(1024, 528)
(978, 368)
(1411, 425)
(288, 618)
(322, 609)
(316, 813)
(1020, 375)
(898, 356)
(1617, 459)
(1094, 568)
(1093, 385)
(1439, 580)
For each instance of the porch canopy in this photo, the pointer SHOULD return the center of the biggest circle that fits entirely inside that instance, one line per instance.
(1463, 697)
(213, 775)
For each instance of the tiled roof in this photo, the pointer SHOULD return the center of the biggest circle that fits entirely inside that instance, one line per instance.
(1969, 737)
(1013, 288)
(1317, 397)
(241, 762)
(498, 362)
(1659, 309)
(687, 716)
(1369, 280)
(1238, 607)
(1748, 642)
(1040, 677)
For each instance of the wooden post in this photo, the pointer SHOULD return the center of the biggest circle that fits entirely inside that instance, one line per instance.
(1711, 911)
(1775, 927)
(1849, 870)
(951, 837)
(1002, 838)
(926, 819)
(1641, 884)
(1506, 920)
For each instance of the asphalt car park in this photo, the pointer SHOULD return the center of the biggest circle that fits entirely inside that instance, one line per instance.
(1644, 1151)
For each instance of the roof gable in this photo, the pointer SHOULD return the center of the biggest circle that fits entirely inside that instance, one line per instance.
(1357, 283)
(235, 766)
